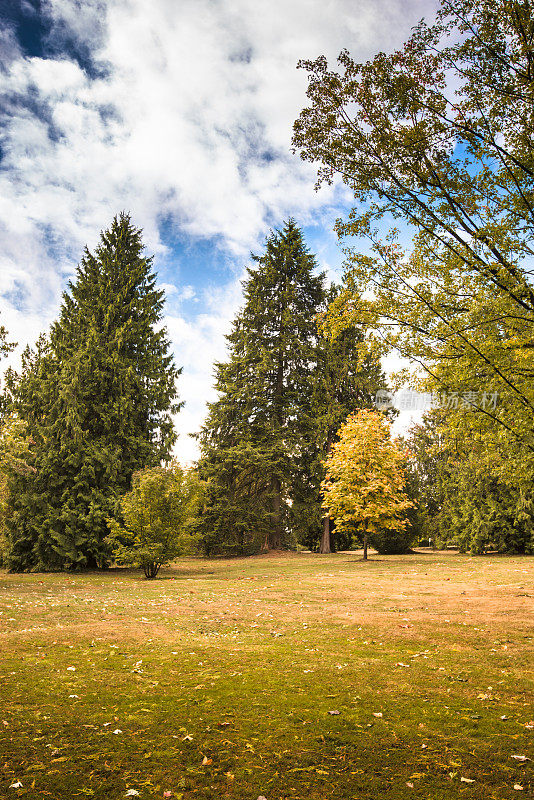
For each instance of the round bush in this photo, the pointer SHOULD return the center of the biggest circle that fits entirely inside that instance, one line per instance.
(391, 543)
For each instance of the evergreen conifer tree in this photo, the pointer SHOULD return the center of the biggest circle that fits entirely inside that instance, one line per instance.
(284, 392)
(255, 431)
(97, 395)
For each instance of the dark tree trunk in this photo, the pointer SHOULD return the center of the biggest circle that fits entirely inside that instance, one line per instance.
(151, 570)
(275, 542)
(365, 546)
(325, 538)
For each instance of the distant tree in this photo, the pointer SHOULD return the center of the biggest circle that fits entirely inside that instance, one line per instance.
(365, 475)
(474, 491)
(425, 475)
(259, 427)
(13, 451)
(158, 514)
(287, 386)
(5, 348)
(484, 487)
(96, 396)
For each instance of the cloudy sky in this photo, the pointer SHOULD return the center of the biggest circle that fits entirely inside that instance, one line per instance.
(179, 111)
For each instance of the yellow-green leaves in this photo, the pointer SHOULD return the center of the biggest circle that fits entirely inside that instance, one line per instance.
(363, 488)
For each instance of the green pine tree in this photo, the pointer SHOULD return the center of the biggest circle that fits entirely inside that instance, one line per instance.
(255, 431)
(97, 396)
(284, 392)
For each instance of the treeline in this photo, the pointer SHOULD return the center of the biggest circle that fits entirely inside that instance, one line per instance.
(87, 432)
(436, 137)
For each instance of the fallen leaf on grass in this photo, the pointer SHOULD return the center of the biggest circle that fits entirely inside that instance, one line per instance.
(16, 785)
(409, 785)
(117, 730)
(521, 758)
(377, 714)
(467, 780)
(334, 712)
(132, 793)
(206, 761)
(518, 787)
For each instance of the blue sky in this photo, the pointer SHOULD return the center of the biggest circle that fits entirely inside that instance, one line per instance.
(179, 111)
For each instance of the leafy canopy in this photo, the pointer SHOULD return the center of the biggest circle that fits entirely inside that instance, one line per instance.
(157, 513)
(437, 135)
(365, 474)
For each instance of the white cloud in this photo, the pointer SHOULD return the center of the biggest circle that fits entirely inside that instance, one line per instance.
(185, 116)
(198, 345)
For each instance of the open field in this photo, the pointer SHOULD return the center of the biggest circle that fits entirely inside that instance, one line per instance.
(288, 676)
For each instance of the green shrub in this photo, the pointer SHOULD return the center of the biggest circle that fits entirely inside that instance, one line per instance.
(160, 514)
(389, 543)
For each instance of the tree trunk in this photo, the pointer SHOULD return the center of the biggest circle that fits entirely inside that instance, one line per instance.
(276, 533)
(365, 546)
(325, 538)
(326, 545)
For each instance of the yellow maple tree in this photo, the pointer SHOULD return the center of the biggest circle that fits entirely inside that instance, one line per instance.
(365, 472)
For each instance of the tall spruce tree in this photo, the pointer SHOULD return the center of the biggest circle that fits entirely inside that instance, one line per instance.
(255, 431)
(97, 395)
(284, 392)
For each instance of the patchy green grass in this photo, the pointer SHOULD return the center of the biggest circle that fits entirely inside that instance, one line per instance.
(290, 676)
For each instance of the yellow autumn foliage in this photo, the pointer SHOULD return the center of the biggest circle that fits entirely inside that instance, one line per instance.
(365, 474)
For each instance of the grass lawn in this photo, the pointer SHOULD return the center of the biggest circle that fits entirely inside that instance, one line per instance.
(287, 676)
